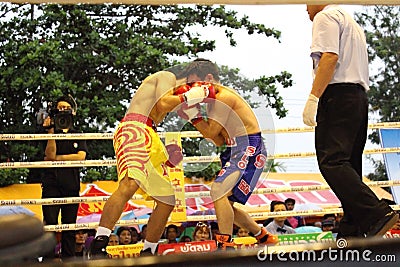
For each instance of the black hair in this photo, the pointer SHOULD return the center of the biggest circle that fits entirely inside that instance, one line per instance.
(274, 203)
(184, 237)
(122, 228)
(172, 226)
(214, 225)
(202, 67)
(290, 200)
(133, 229)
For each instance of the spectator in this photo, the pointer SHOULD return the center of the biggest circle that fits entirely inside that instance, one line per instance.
(327, 225)
(143, 233)
(242, 232)
(125, 235)
(57, 249)
(62, 182)
(271, 209)
(114, 240)
(277, 226)
(329, 216)
(202, 232)
(80, 240)
(90, 236)
(214, 229)
(295, 221)
(185, 238)
(134, 235)
(290, 203)
(171, 233)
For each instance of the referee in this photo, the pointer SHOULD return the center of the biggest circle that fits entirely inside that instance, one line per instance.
(339, 94)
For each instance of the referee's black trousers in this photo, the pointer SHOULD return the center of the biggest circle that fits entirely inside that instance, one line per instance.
(340, 137)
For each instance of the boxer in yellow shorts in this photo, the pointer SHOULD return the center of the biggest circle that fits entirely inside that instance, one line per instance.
(142, 157)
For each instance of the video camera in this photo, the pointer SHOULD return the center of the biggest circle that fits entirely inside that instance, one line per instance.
(60, 119)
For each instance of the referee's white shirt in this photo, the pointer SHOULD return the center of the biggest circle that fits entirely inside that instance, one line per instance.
(334, 30)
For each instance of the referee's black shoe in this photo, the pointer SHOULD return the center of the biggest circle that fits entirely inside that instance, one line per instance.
(383, 224)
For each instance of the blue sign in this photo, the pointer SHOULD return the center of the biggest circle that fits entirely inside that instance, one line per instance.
(391, 138)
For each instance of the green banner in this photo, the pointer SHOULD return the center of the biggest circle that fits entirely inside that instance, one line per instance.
(307, 238)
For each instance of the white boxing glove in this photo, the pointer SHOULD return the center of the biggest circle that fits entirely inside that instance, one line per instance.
(189, 113)
(196, 95)
(310, 110)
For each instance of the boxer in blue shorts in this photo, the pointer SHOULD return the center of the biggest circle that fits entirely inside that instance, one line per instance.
(231, 122)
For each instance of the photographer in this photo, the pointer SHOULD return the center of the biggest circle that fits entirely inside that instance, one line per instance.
(62, 182)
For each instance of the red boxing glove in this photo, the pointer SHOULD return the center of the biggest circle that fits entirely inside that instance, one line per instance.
(175, 155)
(181, 90)
(211, 95)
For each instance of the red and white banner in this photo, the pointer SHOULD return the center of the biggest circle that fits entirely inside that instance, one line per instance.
(187, 247)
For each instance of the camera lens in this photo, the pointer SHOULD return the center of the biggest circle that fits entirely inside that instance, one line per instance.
(63, 120)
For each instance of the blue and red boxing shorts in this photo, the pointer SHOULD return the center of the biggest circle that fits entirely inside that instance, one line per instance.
(246, 155)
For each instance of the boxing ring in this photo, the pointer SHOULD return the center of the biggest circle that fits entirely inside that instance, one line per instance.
(243, 253)
(244, 257)
(190, 134)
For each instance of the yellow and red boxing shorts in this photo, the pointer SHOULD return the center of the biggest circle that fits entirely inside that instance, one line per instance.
(141, 155)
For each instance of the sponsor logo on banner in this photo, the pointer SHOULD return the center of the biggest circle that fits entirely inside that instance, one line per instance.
(125, 251)
(187, 247)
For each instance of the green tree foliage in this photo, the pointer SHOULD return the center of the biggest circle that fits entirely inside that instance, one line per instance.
(382, 26)
(100, 54)
(12, 176)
